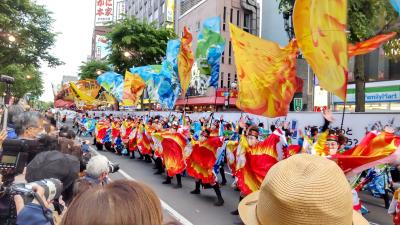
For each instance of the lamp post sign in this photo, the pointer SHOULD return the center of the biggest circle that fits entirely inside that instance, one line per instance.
(298, 104)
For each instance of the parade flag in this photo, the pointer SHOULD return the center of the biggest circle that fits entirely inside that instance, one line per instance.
(396, 5)
(150, 76)
(201, 161)
(102, 133)
(173, 145)
(80, 94)
(253, 163)
(231, 149)
(113, 83)
(369, 45)
(169, 88)
(185, 60)
(266, 74)
(144, 141)
(133, 89)
(372, 151)
(210, 46)
(320, 29)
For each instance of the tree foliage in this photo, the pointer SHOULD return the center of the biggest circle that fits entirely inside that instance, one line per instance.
(28, 79)
(144, 43)
(31, 26)
(88, 69)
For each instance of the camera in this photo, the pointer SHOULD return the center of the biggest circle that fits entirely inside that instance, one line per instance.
(112, 168)
(52, 188)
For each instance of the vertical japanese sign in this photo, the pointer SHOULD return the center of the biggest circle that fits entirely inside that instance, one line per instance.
(170, 4)
(104, 12)
(102, 47)
(119, 9)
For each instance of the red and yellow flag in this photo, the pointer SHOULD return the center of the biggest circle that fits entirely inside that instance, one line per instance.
(101, 131)
(372, 148)
(133, 89)
(144, 141)
(266, 74)
(369, 45)
(173, 145)
(201, 161)
(320, 28)
(231, 149)
(185, 60)
(253, 163)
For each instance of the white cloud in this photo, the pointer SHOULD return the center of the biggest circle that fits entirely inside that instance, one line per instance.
(75, 21)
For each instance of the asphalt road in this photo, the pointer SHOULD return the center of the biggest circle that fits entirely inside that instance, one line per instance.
(199, 209)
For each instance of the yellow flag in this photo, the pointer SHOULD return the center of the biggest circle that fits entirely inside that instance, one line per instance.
(81, 95)
(320, 28)
(133, 89)
(185, 60)
(266, 74)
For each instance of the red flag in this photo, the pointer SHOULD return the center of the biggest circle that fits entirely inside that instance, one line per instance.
(144, 141)
(372, 151)
(369, 45)
(173, 145)
(255, 162)
(201, 161)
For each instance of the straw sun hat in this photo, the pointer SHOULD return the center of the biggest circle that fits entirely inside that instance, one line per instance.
(303, 189)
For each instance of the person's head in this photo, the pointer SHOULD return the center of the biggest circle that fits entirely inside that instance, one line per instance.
(272, 128)
(174, 127)
(215, 125)
(261, 125)
(121, 202)
(335, 141)
(303, 189)
(313, 131)
(204, 135)
(13, 112)
(252, 135)
(97, 167)
(29, 125)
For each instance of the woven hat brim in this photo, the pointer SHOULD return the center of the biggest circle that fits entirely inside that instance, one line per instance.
(248, 205)
(358, 219)
(247, 209)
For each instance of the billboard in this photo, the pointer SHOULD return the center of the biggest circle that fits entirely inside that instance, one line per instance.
(170, 4)
(119, 9)
(104, 12)
(102, 49)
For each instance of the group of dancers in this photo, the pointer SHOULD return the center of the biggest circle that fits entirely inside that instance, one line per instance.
(201, 148)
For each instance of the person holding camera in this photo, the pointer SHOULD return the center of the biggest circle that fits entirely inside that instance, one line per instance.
(36, 212)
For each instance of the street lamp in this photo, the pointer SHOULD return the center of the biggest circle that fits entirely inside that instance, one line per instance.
(11, 38)
(98, 72)
(28, 77)
(127, 54)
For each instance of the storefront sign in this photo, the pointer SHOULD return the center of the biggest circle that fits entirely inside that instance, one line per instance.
(104, 12)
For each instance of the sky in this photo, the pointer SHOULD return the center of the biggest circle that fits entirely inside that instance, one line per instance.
(74, 20)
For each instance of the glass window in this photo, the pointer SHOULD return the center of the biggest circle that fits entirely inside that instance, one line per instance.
(222, 79)
(231, 15)
(238, 18)
(395, 106)
(229, 80)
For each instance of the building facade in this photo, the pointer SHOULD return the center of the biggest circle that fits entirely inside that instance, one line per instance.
(66, 79)
(244, 14)
(106, 11)
(161, 12)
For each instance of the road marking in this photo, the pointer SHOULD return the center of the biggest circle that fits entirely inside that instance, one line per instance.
(165, 206)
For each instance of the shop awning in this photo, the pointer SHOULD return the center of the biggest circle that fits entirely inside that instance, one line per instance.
(205, 101)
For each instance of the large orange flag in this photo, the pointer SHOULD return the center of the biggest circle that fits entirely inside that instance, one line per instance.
(369, 45)
(253, 163)
(320, 28)
(185, 60)
(266, 74)
(373, 150)
(133, 89)
(144, 140)
(201, 161)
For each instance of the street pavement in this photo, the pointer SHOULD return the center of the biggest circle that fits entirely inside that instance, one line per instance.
(199, 209)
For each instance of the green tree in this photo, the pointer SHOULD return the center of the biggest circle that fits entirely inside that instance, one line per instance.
(28, 79)
(366, 19)
(26, 38)
(31, 26)
(137, 43)
(89, 69)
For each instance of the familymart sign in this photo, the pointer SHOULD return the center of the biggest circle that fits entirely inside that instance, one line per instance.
(375, 93)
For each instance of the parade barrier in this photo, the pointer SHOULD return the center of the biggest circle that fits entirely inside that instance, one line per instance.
(354, 127)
